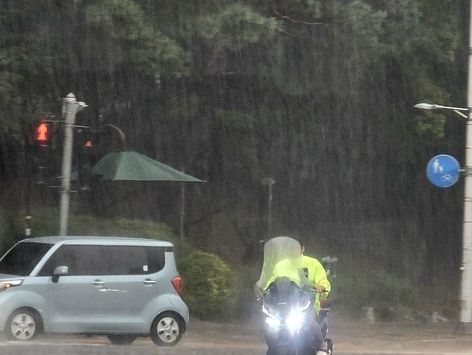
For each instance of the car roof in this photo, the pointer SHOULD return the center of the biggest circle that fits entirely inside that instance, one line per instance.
(111, 240)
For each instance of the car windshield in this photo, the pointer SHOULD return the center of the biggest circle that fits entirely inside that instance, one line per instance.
(22, 258)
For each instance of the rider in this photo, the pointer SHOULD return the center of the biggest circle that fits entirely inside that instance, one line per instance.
(282, 258)
(316, 274)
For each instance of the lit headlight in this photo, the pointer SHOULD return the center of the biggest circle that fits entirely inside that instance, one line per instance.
(294, 320)
(271, 320)
(273, 323)
(4, 285)
(296, 317)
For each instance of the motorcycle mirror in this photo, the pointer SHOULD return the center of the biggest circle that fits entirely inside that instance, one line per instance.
(329, 259)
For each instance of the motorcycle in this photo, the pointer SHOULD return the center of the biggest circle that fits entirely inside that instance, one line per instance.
(288, 298)
(289, 324)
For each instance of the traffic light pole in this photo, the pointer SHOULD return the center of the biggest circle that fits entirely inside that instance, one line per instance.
(29, 173)
(70, 108)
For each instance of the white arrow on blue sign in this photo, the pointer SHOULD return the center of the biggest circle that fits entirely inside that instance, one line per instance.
(443, 170)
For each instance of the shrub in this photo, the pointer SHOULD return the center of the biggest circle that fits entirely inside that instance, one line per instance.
(246, 306)
(384, 291)
(209, 285)
(11, 230)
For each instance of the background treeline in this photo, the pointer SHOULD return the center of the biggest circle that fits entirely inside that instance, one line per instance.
(316, 94)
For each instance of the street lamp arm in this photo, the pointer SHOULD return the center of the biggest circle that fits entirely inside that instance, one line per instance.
(426, 106)
(461, 114)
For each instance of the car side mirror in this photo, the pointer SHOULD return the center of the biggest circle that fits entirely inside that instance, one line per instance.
(61, 270)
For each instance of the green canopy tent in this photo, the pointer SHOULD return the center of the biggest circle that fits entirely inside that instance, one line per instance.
(133, 166)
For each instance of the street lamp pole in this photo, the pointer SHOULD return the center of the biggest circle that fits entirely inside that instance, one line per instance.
(465, 325)
(269, 182)
(70, 108)
(466, 284)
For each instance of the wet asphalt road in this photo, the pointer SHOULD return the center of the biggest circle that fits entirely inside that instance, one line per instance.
(206, 338)
(76, 349)
(99, 345)
(96, 349)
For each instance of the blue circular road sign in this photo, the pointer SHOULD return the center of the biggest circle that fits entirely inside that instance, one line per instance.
(443, 170)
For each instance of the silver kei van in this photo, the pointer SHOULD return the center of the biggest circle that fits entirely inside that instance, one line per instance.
(120, 287)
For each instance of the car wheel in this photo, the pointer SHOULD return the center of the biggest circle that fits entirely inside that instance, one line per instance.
(122, 339)
(167, 329)
(22, 325)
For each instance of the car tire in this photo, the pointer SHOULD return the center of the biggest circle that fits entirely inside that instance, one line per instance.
(23, 325)
(166, 329)
(122, 339)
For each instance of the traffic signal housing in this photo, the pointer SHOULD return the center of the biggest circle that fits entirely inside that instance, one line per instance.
(41, 133)
(41, 142)
(85, 156)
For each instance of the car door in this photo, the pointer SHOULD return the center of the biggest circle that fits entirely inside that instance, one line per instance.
(76, 300)
(133, 283)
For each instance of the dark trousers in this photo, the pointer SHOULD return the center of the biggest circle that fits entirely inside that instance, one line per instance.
(322, 320)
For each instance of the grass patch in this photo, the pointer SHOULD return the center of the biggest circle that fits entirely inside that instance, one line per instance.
(45, 222)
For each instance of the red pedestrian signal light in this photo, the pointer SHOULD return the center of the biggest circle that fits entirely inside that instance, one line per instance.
(41, 133)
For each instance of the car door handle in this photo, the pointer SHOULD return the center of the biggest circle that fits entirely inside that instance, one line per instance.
(149, 282)
(98, 283)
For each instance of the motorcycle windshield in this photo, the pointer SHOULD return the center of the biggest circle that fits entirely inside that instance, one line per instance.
(282, 258)
(285, 296)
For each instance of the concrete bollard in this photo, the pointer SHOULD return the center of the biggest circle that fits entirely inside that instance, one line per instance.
(369, 314)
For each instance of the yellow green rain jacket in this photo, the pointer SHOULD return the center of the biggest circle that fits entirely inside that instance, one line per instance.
(316, 275)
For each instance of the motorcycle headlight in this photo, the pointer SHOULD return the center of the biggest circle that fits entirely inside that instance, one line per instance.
(4, 285)
(271, 320)
(294, 320)
(296, 317)
(273, 323)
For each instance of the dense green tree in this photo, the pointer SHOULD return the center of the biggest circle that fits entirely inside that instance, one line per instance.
(317, 94)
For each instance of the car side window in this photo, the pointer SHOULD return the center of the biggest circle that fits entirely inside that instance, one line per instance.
(80, 259)
(134, 260)
(156, 259)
